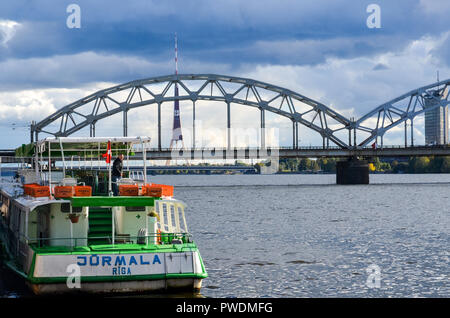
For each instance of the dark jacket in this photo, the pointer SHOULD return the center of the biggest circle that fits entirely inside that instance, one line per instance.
(117, 168)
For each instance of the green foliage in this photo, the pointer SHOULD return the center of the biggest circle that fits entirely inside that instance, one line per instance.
(413, 165)
(307, 165)
(400, 167)
(327, 164)
(429, 164)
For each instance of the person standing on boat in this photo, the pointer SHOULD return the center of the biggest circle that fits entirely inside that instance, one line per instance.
(117, 173)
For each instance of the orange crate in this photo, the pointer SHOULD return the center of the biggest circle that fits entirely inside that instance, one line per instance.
(157, 190)
(150, 191)
(63, 191)
(143, 190)
(27, 188)
(129, 190)
(40, 191)
(167, 190)
(83, 191)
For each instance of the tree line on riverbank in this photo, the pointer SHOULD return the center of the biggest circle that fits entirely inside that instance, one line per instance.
(411, 165)
(328, 165)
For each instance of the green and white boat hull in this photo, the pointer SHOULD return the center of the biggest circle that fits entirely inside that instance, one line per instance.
(98, 269)
(118, 271)
(94, 243)
(162, 259)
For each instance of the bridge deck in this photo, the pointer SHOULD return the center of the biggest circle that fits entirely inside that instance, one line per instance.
(257, 153)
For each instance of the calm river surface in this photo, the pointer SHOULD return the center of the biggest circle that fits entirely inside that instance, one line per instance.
(304, 236)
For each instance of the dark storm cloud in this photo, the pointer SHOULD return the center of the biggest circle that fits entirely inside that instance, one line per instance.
(231, 32)
(380, 67)
(142, 27)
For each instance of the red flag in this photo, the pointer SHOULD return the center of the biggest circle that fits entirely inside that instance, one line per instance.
(374, 145)
(108, 154)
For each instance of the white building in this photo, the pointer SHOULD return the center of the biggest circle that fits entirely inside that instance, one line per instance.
(436, 123)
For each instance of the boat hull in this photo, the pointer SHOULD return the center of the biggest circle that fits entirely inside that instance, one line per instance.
(53, 255)
(169, 268)
(121, 287)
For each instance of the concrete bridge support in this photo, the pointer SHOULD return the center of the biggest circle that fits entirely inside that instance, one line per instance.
(352, 171)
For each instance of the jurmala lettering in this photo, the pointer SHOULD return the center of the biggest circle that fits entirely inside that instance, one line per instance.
(119, 264)
(118, 260)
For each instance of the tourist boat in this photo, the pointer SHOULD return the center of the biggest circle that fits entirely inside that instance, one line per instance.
(62, 231)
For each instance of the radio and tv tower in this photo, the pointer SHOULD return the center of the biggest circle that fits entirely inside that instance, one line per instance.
(177, 136)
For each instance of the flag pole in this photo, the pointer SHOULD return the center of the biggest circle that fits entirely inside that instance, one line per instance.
(110, 190)
(109, 157)
(110, 181)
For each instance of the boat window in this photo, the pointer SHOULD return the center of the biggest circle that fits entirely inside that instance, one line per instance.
(65, 207)
(135, 208)
(22, 224)
(4, 199)
(15, 219)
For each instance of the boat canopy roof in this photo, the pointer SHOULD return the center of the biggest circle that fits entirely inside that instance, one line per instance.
(26, 202)
(94, 140)
(105, 201)
(75, 145)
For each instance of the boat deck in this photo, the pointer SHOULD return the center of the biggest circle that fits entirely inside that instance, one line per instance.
(108, 248)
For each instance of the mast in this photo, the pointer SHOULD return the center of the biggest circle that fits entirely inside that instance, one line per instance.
(176, 54)
(177, 135)
(176, 131)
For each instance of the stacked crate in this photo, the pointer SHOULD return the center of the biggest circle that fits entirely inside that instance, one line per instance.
(131, 190)
(157, 190)
(72, 191)
(36, 190)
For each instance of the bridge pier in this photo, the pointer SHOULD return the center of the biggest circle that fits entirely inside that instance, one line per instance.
(263, 129)
(228, 124)
(159, 126)
(352, 171)
(92, 130)
(125, 123)
(193, 124)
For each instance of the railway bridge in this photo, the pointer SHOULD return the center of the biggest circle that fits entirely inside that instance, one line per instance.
(355, 139)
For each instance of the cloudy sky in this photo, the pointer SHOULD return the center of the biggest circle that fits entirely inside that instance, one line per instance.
(321, 49)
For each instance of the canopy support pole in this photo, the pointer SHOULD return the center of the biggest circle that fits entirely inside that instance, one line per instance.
(63, 158)
(49, 169)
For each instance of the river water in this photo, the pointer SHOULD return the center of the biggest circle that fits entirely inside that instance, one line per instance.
(304, 236)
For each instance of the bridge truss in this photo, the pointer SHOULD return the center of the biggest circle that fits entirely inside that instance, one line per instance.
(88, 111)
(402, 109)
(265, 97)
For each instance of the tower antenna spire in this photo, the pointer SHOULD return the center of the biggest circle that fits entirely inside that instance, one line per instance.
(176, 54)
(177, 135)
(437, 75)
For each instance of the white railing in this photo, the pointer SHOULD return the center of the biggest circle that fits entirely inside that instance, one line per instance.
(137, 175)
(145, 239)
(171, 216)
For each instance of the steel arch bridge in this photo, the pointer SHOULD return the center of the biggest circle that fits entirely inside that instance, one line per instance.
(265, 97)
(401, 109)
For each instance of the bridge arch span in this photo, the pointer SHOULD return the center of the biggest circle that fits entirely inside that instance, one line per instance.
(86, 112)
(403, 109)
(209, 87)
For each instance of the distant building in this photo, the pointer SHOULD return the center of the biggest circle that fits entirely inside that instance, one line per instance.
(436, 122)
